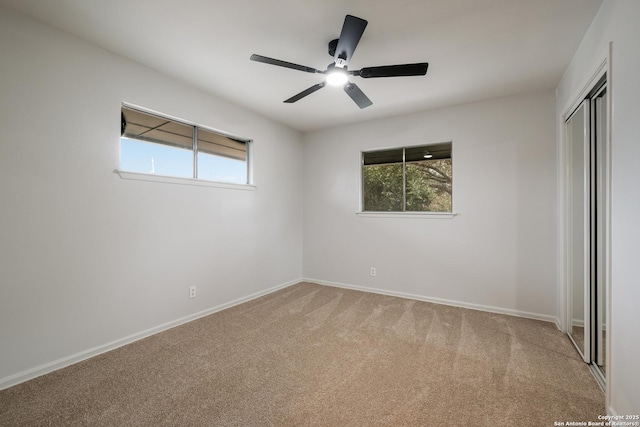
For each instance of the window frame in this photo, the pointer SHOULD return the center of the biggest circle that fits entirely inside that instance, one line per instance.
(194, 180)
(402, 214)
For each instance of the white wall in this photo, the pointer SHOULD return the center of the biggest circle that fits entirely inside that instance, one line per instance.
(617, 22)
(499, 253)
(87, 258)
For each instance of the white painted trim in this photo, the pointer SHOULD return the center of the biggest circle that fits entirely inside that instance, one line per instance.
(479, 307)
(608, 234)
(587, 86)
(423, 215)
(138, 176)
(46, 368)
(562, 273)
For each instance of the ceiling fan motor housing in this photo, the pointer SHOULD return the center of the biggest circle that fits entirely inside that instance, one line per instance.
(341, 60)
(332, 47)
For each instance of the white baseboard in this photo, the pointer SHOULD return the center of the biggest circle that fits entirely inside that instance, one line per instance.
(491, 309)
(46, 368)
(86, 354)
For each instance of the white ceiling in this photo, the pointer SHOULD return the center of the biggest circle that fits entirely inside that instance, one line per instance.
(476, 49)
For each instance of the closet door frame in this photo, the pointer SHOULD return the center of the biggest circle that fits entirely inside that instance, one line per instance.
(590, 82)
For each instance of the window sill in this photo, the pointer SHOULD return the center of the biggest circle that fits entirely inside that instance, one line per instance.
(423, 215)
(137, 176)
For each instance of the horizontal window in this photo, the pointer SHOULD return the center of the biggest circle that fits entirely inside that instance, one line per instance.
(153, 144)
(408, 179)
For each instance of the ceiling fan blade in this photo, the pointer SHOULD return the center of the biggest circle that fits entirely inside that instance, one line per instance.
(266, 60)
(305, 92)
(419, 69)
(357, 95)
(352, 30)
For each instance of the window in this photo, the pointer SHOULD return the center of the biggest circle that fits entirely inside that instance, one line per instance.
(153, 144)
(407, 179)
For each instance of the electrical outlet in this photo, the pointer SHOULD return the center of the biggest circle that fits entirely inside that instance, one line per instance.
(192, 292)
(373, 272)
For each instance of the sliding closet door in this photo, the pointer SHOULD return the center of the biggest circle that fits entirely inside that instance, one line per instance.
(587, 235)
(579, 227)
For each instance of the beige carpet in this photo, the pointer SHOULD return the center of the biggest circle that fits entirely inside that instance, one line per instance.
(314, 355)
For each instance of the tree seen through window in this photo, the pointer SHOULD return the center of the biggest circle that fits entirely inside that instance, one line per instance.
(412, 179)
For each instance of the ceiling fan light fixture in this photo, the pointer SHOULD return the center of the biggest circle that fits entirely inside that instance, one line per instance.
(337, 77)
(428, 155)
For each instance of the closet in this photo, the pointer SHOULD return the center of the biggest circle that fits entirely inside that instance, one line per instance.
(587, 232)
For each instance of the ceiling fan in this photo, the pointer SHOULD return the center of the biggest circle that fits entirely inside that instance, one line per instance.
(337, 74)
